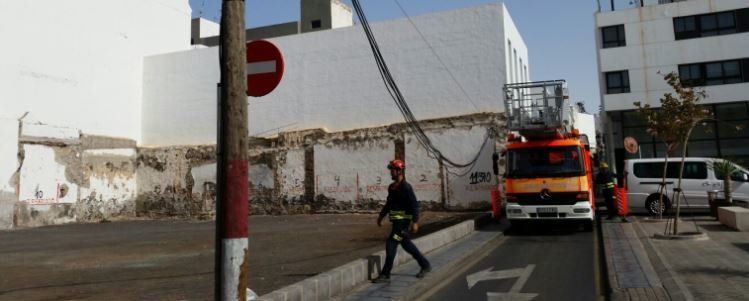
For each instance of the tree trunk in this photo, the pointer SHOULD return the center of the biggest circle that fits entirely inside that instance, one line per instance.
(678, 185)
(663, 183)
(727, 188)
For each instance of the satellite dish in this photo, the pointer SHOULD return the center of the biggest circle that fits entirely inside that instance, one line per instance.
(630, 144)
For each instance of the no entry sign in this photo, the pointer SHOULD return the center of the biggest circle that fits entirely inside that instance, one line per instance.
(264, 67)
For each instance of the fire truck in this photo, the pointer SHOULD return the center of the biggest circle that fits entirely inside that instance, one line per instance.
(548, 171)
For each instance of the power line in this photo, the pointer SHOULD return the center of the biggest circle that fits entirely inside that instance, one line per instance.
(403, 107)
(468, 97)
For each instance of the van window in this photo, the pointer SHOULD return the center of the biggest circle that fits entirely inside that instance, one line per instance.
(692, 170)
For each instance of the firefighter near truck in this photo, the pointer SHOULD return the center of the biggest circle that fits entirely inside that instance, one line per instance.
(549, 171)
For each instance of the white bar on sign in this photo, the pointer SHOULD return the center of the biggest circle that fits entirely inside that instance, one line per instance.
(261, 67)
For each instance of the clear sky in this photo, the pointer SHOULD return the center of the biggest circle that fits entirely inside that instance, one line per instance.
(559, 33)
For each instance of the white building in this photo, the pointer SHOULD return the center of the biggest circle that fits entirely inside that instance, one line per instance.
(705, 41)
(331, 79)
(103, 90)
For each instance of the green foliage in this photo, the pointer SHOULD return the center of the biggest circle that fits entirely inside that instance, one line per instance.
(724, 168)
(679, 112)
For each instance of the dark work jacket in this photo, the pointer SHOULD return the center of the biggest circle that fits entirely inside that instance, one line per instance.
(605, 177)
(401, 197)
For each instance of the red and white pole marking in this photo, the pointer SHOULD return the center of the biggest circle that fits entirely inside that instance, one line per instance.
(235, 230)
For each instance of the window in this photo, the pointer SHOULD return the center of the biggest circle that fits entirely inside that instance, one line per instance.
(713, 24)
(617, 82)
(544, 162)
(713, 73)
(654, 170)
(316, 24)
(613, 36)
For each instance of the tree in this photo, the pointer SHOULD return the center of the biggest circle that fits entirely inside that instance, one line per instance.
(725, 169)
(672, 123)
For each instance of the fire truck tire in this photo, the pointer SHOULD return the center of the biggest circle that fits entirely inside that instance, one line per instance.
(651, 204)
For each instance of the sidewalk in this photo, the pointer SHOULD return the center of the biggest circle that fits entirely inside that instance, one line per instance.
(713, 269)
(630, 272)
(641, 267)
(405, 286)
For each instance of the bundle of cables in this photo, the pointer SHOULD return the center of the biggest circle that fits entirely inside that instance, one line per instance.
(400, 102)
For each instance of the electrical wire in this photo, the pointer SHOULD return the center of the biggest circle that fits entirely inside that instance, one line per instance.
(468, 97)
(397, 96)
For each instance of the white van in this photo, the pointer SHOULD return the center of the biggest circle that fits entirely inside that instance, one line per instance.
(643, 177)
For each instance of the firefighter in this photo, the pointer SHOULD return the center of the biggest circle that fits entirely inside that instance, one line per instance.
(403, 210)
(605, 178)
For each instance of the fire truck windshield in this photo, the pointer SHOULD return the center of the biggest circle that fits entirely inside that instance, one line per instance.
(545, 162)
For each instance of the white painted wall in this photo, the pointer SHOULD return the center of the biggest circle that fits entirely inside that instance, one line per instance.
(586, 124)
(8, 165)
(651, 47)
(340, 15)
(517, 57)
(349, 173)
(467, 186)
(8, 154)
(42, 176)
(423, 172)
(79, 63)
(109, 192)
(291, 174)
(331, 80)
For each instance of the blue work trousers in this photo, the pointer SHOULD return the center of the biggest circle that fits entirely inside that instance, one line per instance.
(399, 235)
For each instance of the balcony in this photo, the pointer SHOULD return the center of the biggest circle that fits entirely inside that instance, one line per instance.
(616, 5)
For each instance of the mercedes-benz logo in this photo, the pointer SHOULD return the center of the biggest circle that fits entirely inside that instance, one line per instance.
(545, 194)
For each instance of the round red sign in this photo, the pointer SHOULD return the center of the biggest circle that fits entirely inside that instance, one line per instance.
(264, 67)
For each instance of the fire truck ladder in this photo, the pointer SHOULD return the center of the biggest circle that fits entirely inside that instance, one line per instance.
(537, 108)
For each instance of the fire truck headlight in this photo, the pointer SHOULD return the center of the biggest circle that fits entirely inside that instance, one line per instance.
(514, 211)
(581, 210)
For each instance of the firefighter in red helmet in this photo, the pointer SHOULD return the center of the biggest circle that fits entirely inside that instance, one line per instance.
(403, 210)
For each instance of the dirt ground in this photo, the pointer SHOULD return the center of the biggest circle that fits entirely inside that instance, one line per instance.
(173, 260)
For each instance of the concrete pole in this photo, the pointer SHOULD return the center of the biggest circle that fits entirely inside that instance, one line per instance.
(232, 219)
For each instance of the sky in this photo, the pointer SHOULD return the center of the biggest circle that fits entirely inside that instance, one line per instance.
(559, 34)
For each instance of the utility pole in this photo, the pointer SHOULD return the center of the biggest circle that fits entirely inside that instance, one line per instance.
(232, 165)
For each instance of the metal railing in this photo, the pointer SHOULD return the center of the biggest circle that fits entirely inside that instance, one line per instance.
(536, 105)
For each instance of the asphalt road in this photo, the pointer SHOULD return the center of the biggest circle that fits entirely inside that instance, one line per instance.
(173, 260)
(545, 262)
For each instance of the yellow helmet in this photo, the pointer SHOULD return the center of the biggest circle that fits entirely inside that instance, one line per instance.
(603, 165)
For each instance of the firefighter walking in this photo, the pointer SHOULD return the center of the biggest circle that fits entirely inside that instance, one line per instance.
(403, 210)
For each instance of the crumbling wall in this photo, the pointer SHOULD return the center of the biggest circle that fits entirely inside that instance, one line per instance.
(166, 183)
(351, 174)
(313, 171)
(65, 176)
(8, 168)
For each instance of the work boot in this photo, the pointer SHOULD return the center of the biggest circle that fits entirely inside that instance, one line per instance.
(624, 220)
(423, 272)
(610, 217)
(381, 279)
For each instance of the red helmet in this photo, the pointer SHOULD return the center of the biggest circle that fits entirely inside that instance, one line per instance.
(397, 164)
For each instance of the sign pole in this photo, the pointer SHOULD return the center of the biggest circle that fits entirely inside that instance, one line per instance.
(232, 184)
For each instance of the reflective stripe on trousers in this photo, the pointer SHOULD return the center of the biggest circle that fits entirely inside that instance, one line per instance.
(396, 215)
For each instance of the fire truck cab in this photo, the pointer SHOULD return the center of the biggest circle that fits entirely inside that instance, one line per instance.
(548, 172)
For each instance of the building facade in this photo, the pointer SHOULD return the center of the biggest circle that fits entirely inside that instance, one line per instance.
(706, 42)
(118, 120)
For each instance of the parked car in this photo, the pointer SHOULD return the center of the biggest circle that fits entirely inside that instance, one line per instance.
(643, 178)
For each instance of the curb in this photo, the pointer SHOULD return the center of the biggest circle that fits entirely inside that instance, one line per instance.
(673, 285)
(344, 278)
(656, 290)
